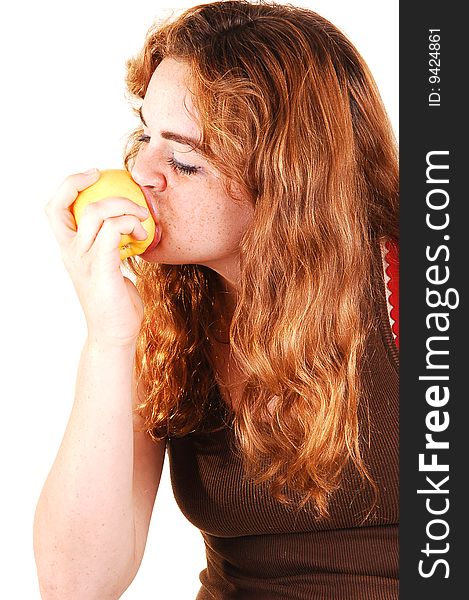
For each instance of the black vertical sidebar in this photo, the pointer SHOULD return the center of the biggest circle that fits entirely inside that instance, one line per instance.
(434, 267)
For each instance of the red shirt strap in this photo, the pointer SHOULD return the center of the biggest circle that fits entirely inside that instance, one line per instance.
(391, 269)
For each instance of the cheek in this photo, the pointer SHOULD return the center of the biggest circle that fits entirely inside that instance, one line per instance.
(228, 218)
(187, 223)
(205, 217)
(237, 220)
(215, 225)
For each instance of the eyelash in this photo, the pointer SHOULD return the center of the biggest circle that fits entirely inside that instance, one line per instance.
(143, 138)
(175, 165)
(180, 168)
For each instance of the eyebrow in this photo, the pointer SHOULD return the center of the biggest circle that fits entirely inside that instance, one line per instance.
(174, 137)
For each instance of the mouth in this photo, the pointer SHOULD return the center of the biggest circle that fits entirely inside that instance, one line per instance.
(154, 214)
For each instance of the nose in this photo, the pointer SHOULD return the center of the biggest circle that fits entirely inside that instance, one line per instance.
(146, 171)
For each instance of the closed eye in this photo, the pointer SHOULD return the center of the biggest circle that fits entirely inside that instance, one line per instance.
(182, 168)
(177, 166)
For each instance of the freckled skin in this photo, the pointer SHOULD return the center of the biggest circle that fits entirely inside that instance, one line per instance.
(200, 223)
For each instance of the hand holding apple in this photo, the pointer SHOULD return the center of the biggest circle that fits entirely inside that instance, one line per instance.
(118, 183)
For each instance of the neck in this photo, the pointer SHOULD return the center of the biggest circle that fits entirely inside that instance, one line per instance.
(229, 272)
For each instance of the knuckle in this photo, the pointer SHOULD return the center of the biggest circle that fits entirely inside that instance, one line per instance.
(91, 209)
(68, 184)
(108, 224)
(110, 230)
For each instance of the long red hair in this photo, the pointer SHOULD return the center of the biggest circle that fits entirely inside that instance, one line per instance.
(288, 111)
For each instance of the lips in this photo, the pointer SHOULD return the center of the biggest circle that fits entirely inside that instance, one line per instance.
(154, 213)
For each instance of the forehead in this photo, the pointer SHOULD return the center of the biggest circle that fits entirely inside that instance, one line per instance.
(168, 103)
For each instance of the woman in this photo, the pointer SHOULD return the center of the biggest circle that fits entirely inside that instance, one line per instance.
(266, 363)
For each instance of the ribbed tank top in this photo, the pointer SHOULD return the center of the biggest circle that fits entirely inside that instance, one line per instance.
(260, 549)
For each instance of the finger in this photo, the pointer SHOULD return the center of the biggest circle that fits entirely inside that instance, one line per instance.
(109, 236)
(69, 189)
(97, 213)
(58, 207)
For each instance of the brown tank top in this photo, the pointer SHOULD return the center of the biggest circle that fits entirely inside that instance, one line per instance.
(259, 549)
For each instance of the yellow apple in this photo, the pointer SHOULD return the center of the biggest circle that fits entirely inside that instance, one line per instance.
(117, 183)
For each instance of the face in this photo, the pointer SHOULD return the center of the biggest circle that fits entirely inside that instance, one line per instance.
(198, 222)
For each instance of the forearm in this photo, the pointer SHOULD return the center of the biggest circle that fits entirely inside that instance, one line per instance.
(84, 527)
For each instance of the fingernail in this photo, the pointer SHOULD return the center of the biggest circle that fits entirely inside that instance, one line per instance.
(90, 171)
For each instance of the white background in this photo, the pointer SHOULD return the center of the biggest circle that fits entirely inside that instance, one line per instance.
(63, 110)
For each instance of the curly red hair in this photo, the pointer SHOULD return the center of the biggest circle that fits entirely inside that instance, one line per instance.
(289, 111)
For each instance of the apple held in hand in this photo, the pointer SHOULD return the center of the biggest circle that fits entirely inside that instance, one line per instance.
(117, 183)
